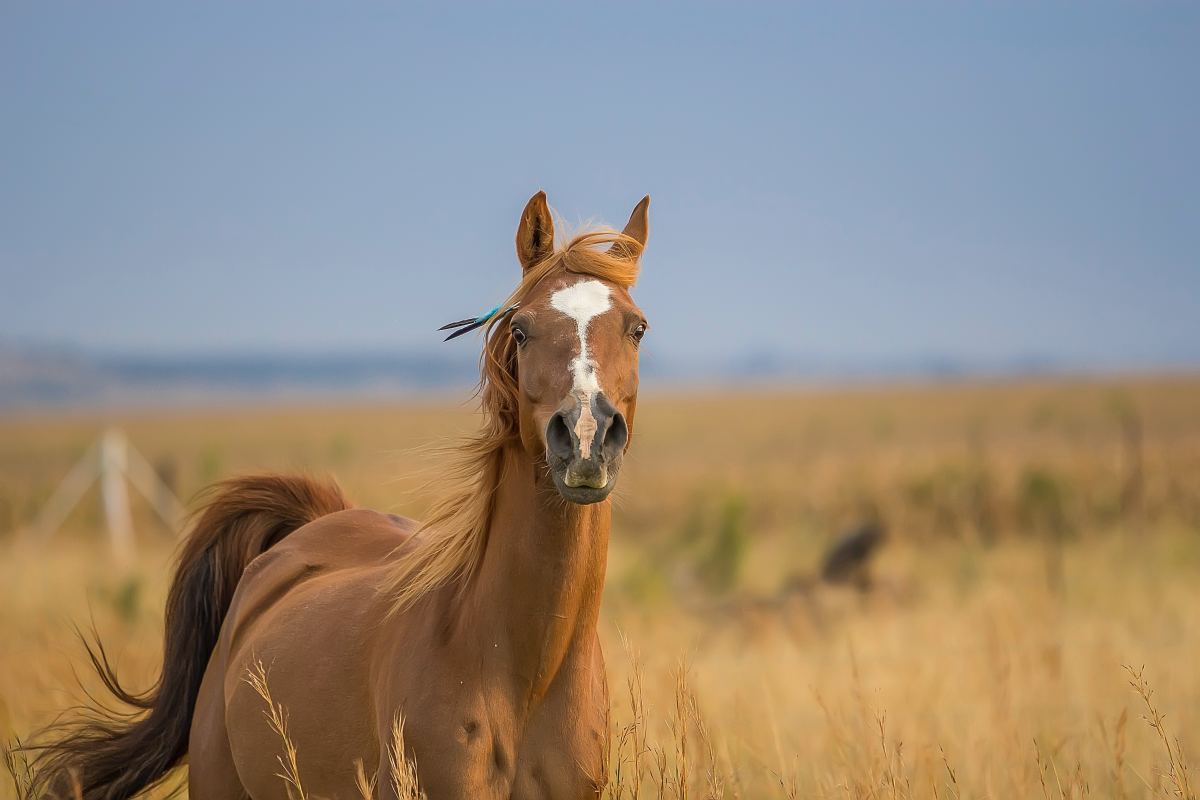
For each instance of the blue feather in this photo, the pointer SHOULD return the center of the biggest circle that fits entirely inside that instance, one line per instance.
(488, 315)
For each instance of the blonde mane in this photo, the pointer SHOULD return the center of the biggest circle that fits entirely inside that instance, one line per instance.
(449, 546)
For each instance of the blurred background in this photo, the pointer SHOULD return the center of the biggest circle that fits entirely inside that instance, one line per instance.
(934, 265)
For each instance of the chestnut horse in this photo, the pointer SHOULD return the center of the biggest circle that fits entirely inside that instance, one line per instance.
(478, 626)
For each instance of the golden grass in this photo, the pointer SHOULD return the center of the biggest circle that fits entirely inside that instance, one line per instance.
(402, 771)
(1042, 535)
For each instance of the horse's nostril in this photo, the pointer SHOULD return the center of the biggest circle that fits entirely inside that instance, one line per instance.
(617, 436)
(558, 437)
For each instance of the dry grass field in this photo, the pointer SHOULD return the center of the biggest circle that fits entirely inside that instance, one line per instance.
(1031, 629)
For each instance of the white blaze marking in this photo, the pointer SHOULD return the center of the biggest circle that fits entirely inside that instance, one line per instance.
(583, 302)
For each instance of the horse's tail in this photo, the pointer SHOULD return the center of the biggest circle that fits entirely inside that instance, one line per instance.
(104, 754)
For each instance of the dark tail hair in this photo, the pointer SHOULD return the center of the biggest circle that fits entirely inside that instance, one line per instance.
(106, 754)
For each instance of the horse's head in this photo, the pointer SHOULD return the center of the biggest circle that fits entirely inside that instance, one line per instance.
(576, 336)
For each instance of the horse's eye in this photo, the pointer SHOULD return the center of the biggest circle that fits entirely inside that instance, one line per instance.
(639, 332)
(518, 336)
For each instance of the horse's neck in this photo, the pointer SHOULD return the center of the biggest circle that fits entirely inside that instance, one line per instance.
(536, 598)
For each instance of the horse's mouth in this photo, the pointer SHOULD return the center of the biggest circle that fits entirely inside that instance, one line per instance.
(584, 486)
(586, 480)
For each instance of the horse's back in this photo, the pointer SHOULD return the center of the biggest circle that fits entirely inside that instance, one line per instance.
(304, 611)
(356, 537)
(339, 555)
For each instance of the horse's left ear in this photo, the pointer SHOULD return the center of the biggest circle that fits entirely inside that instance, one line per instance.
(638, 229)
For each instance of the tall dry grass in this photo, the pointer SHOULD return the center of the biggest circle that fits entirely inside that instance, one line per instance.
(1038, 541)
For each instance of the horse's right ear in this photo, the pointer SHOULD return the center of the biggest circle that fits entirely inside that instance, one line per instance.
(535, 234)
(637, 229)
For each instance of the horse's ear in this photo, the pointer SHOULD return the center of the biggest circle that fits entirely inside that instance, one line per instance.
(535, 234)
(638, 228)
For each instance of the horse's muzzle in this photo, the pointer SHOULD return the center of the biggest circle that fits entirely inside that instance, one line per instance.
(584, 445)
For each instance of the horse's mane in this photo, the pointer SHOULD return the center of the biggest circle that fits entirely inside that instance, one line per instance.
(450, 544)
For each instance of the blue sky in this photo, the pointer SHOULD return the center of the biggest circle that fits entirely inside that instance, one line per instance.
(851, 181)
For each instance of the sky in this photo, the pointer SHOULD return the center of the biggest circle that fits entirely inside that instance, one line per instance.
(982, 181)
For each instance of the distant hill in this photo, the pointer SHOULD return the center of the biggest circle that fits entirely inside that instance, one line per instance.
(48, 377)
(45, 377)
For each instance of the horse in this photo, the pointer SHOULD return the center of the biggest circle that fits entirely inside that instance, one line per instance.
(475, 630)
